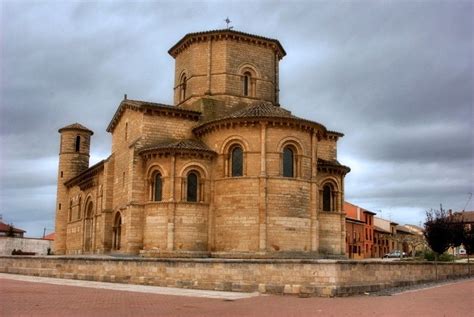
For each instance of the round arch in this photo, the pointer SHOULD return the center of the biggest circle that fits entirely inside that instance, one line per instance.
(153, 168)
(233, 140)
(331, 180)
(117, 231)
(329, 195)
(248, 67)
(194, 166)
(293, 142)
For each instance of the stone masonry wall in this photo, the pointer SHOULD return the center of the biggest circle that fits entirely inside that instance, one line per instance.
(298, 277)
(224, 60)
(288, 215)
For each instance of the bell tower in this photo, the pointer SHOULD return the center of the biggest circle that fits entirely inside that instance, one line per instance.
(73, 159)
(227, 68)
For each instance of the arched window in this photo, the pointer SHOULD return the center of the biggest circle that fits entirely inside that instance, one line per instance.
(182, 88)
(288, 162)
(78, 143)
(157, 187)
(327, 198)
(237, 161)
(88, 227)
(192, 186)
(117, 232)
(79, 205)
(247, 83)
(70, 211)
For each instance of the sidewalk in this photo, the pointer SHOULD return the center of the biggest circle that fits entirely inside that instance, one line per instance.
(131, 287)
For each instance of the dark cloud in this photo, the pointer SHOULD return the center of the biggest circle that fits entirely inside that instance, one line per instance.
(395, 77)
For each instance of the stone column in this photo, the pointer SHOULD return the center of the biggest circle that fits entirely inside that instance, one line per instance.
(171, 206)
(276, 81)
(209, 66)
(262, 210)
(314, 194)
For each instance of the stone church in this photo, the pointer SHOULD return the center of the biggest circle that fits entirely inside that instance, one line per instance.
(225, 171)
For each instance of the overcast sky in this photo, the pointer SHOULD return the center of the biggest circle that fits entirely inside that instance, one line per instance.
(396, 77)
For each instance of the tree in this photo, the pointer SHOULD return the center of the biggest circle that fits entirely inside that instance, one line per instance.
(468, 243)
(457, 233)
(437, 233)
(11, 231)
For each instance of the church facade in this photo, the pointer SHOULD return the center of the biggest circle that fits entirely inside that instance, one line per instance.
(225, 171)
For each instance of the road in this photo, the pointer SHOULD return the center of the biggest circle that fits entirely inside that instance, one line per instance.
(30, 296)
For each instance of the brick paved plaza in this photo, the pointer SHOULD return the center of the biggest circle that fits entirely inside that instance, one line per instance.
(30, 296)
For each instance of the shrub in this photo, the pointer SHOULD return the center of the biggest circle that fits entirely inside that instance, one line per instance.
(445, 257)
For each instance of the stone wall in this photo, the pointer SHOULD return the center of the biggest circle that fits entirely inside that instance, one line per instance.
(277, 276)
(39, 246)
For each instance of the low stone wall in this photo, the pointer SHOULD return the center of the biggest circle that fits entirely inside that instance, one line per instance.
(277, 276)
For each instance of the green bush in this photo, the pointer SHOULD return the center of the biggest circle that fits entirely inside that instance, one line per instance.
(419, 254)
(445, 257)
(429, 255)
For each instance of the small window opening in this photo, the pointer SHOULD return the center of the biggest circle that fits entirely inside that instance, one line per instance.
(59, 206)
(237, 161)
(126, 130)
(288, 162)
(61, 174)
(157, 187)
(192, 187)
(327, 199)
(78, 143)
(182, 95)
(79, 208)
(247, 79)
(70, 210)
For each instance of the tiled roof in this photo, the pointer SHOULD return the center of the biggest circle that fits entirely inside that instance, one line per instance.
(5, 228)
(355, 220)
(189, 144)
(226, 32)
(86, 174)
(404, 229)
(50, 236)
(146, 105)
(75, 126)
(376, 228)
(263, 109)
(333, 164)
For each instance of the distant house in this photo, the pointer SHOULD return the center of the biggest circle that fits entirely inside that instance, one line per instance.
(465, 217)
(410, 239)
(10, 231)
(384, 236)
(50, 236)
(359, 232)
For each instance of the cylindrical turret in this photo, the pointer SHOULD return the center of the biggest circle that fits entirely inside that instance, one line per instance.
(73, 160)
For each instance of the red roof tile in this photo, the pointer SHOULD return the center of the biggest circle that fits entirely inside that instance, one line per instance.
(5, 228)
(50, 236)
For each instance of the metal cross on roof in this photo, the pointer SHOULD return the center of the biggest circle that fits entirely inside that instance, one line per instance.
(227, 21)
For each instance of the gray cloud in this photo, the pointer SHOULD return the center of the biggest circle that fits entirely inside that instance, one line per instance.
(395, 77)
